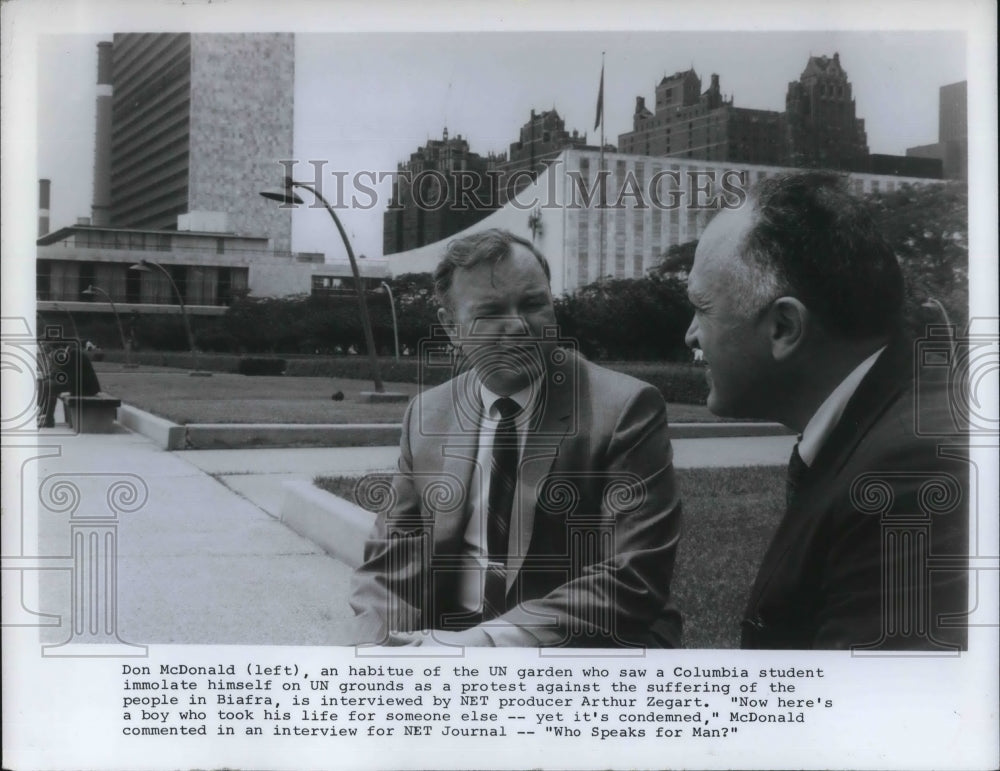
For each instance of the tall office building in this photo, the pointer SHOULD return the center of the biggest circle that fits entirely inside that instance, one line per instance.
(818, 128)
(690, 124)
(823, 130)
(952, 147)
(199, 123)
(431, 200)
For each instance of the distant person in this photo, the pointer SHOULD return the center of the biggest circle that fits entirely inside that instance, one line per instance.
(798, 306)
(63, 369)
(132, 336)
(535, 502)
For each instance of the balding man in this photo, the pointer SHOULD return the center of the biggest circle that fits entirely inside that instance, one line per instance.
(798, 303)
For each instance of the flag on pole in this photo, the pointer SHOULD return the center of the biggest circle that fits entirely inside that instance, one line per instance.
(600, 101)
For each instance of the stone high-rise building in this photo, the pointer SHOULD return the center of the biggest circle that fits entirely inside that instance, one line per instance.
(540, 142)
(822, 129)
(199, 123)
(442, 189)
(819, 127)
(687, 123)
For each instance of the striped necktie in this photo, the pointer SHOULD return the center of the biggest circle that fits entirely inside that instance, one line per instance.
(503, 481)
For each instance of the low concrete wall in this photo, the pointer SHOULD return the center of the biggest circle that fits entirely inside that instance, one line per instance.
(723, 430)
(230, 436)
(222, 436)
(337, 526)
(163, 433)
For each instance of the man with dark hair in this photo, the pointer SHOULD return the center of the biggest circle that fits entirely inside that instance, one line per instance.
(535, 501)
(63, 368)
(797, 309)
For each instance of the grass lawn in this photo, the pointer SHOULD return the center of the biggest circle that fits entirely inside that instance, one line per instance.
(729, 515)
(227, 398)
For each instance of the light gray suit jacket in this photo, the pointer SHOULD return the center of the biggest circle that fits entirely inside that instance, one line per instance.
(594, 529)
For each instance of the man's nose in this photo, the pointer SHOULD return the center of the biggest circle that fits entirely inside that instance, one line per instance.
(691, 336)
(512, 326)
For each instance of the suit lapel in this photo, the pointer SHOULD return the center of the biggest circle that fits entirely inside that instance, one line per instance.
(540, 451)
(457, 448)
(879, 389)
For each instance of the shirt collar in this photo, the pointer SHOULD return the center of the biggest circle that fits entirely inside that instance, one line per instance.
(522, 397)
(823, 421)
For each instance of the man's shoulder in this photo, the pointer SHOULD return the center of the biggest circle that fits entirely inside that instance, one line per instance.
(444, 393)
(608, 382)
(903, 438)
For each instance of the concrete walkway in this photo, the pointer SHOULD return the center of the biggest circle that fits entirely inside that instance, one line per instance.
(199, 562)
(258, 475)
(196, 563)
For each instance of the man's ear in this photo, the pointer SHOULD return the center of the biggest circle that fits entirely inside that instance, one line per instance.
(790, 322)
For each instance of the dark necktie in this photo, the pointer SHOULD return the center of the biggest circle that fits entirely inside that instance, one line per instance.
(797, 469)
(503, 480)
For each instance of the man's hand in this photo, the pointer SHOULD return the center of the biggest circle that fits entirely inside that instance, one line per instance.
(474, 637)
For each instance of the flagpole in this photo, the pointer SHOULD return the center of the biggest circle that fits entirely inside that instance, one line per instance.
(601, 180)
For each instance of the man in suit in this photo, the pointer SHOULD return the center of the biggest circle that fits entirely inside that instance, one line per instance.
(63, 368)
(797, 307)
(535, 502)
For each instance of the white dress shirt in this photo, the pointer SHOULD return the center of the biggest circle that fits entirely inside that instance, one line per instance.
(473, 580)
(823, 421)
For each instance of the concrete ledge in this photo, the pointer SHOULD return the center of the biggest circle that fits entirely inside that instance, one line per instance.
(221, 436)
(385, 397)
(228, 436)
(91, 414)
(723, 430)
(163, 433)
(337, 526)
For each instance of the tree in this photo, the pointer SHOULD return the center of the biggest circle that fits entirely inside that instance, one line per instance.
(676, 260)
(416, 308)
(638, 319)
(928, 229)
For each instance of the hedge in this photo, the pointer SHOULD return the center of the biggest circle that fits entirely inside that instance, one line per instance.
(679, 383)
(260, 365)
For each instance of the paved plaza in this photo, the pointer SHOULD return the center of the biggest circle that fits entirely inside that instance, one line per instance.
(199, 554)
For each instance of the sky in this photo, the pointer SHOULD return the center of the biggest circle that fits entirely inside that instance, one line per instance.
(366, 101)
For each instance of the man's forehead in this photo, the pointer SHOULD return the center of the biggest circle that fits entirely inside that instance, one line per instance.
(722, 239)
(520, 267)
(726, 231)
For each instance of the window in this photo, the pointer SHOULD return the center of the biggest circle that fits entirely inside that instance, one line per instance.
(179, 274)
(86, 280)
(133, 286)
(43, 279)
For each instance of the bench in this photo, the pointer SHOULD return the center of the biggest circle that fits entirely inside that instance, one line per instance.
(91, 414)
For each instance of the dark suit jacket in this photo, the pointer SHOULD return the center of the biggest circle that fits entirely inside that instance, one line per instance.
(593, 532)
(871, 553)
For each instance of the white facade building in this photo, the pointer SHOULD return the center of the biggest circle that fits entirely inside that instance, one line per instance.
(653, 203)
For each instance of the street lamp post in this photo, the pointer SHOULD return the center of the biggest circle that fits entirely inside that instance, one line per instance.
(72, 321)
(931, 302)
(934, 303)
(395, 326)
(289, 196)
(94, 290)
(144, 265)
